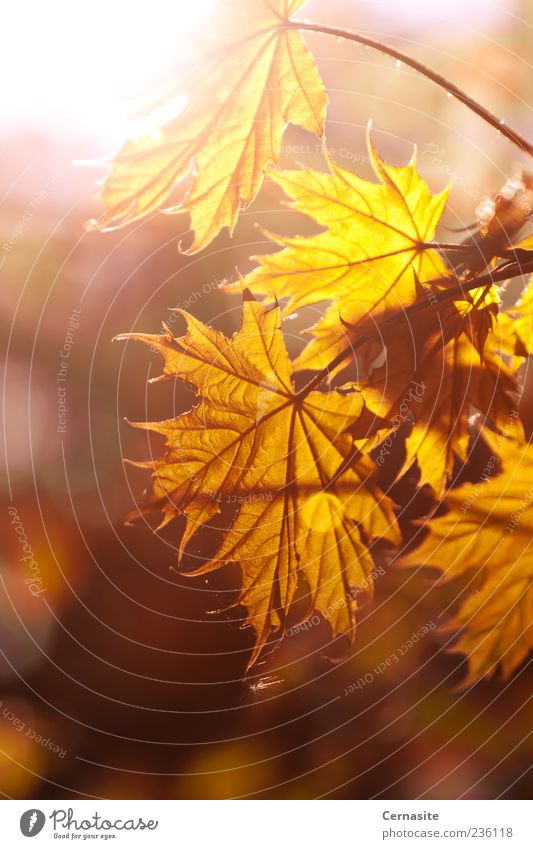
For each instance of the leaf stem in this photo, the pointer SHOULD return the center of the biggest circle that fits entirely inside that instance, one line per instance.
(323, 373)
(445, 246)
(513, 135)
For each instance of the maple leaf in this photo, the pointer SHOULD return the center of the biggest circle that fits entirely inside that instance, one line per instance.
(368, 259)
(307, 502)
(257, 77)
(489, 528)
(435, 374)
(514, 335)
(375, 262)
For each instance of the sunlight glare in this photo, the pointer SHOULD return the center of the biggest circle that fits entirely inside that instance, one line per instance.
(84, 68)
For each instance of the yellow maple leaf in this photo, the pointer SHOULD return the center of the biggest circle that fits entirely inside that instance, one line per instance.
(489, 528)
(307, 505)
(257, 77)
(436, 374)
(514, 335)
(368, 259)
(375, 262)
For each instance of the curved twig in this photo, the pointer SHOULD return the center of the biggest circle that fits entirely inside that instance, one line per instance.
(499, 124)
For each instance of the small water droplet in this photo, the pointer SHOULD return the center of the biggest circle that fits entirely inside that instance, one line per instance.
(511, 188)
(485, 211)
(398, 63)
(292, 316)
(449, 94)
(502, 122)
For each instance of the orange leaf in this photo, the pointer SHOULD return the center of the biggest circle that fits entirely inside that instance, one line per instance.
(257, 76)
(438, 373)
(488, 529)
(305, 500)
(367, 260)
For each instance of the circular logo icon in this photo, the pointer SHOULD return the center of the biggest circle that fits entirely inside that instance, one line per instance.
(32, 822)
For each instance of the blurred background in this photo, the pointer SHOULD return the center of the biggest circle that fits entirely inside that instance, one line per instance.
(115, 680)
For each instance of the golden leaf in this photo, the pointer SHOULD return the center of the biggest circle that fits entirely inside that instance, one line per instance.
(489, 528)
(437, 373)
(375, 261)
(368, 259)
(257, 77)
(307, 505)
(515, 334)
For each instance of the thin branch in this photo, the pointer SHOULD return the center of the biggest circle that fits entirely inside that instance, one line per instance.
(504, 272)
(499, 124)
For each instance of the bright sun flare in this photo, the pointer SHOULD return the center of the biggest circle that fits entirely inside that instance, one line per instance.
(84, 64)
(81, 67)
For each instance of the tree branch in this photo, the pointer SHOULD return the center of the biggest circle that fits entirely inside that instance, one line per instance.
(504, 272)
(499, 124)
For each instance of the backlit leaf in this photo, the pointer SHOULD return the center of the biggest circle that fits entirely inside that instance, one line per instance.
(516, 333)
(489, 529)
(305, 499)
(255, 78)
(434, 377)
(368, 258)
